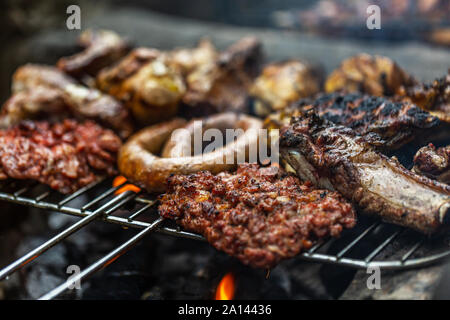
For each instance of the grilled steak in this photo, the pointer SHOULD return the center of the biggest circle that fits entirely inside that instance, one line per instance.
(337, 158)
(433, 163)
(66, 155)
(255, 214)
(386, 124)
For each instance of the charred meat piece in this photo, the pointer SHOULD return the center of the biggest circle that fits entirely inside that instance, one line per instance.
(283, 83)
(101, 49)
(335, 157)
(374, 75)
(255, 214)
(66, 155)
(434, 97)
(433, 163)
(146, 83)
(44, 90)
(223, 85)
(387, 124)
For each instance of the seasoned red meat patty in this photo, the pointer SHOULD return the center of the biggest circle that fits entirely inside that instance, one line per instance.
(258, 215)
(66, 155)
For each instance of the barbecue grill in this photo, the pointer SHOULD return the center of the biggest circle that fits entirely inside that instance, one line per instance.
(100, 201)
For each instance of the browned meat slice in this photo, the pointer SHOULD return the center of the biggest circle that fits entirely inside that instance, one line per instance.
(46, 91)
(256, 214)
(189, 59)
(337, 158)
(434, 97)
(374, 75)
(147, 83)
(386, 123)
(433, 163)
(223, 84)
(283, 83)
(101, 49)
(66, 155)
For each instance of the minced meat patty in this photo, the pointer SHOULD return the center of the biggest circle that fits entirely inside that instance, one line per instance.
(66, 155)
(258, 215)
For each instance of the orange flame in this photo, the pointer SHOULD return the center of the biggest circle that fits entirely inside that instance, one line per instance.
(120, 180)
(226, 287)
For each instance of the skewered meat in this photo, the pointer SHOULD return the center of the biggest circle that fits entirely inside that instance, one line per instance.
(101, 49)
(335, 157)
(386, 123)
(255, 214)
(283, 83)
(433, 163)
(374, 75)
(435, 98)
(223, 84)
(66, 155)
(44, 90)
(146, 83)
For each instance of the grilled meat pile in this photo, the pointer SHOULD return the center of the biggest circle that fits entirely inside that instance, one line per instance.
(66, 155)
(434, 97)
(386, 124)
(255, 214)
(336, 158)
(374, 75)
(44, 91)
(101, 49)
(433, 163)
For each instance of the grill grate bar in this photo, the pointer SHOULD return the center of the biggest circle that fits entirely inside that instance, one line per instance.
(413, 249)
(33, 254)
(103, 262)
(382, 246)
(140, 211)
(80, 192)
(372, 227)
(101, 197)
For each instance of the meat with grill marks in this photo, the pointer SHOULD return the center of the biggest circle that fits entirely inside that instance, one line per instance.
(386, 124)
(336, 158)
(259, 215)
(433, 162)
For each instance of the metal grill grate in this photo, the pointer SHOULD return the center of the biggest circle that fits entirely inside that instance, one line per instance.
(370, 244)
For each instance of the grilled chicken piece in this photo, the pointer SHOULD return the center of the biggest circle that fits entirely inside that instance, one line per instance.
(336, 158)
(387, 124)
(283, 83)
(101, 48)
(223, 84)
(45, 91)
(433, 163)
(435, 97)
(188, 60)
(258, 215)
(374, 75)
(146, 83)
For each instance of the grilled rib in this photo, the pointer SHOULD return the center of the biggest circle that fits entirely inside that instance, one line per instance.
(335, 157)
(386, 124)
(433, 163)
